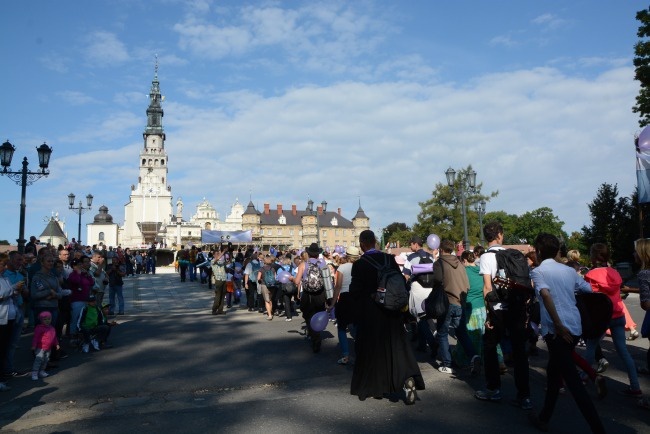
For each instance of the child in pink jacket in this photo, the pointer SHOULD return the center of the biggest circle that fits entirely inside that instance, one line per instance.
(42, 343)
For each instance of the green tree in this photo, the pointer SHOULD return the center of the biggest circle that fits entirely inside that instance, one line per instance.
(532, 223)
(442, 214)
(576, 242)
(509, 223)
(613, 222)
(642, 68)
(394, 228)
(4, 243)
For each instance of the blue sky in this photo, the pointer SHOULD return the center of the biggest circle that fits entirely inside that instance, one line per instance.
(333, 100)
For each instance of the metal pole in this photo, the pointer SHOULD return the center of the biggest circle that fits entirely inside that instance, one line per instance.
(79, 227)
(23, 204)
(464, 211)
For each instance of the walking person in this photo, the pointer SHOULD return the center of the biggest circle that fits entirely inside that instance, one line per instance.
(555, 286)
(385, 363)
(116, 287)
(342, 301)
(219, 280)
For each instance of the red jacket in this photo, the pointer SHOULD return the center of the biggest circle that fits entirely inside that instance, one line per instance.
(608, 281)
(44, 337)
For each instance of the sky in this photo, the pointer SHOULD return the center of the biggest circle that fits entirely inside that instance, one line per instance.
(365, 101)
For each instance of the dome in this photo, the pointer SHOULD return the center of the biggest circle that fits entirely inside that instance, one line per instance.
(103, 216)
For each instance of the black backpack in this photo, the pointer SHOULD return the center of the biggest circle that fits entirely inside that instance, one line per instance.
(515, 266)
(391, 286)
(425, 279)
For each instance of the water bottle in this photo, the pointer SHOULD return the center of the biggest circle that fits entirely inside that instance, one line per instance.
(327, 282)
(501, 273)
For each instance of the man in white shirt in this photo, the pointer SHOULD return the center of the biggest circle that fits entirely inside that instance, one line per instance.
(501, 318)
(555, 286)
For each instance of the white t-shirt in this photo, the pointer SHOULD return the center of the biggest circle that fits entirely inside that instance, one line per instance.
(346, 272)
(488, 266)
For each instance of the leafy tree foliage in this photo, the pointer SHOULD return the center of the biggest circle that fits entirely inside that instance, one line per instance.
(442, 213)
(397, 232)
(613, 221)
(642, 68)
(532, 223)
(4, 243)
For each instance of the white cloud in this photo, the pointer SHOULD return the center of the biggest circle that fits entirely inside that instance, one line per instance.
(105, 49)
(106, 129)
(549, 21)
(73, 97)
(55, 62)
(503, 40)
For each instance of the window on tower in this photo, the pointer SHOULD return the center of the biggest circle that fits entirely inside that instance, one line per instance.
(101, 236)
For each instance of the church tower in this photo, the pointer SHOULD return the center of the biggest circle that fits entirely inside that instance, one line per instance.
(150, 204)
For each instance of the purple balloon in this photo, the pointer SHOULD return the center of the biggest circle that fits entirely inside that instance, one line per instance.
(319, 321)
(238, 293)
(433, 241)
(283, 276)
(322, 263)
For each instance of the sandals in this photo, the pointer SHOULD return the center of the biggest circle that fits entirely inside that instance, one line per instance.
(633, 335)
(343, 360)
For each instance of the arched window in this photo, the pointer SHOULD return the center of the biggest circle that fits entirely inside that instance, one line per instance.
(101, 236)
(162, 162)
(208, 226)
(144, 161)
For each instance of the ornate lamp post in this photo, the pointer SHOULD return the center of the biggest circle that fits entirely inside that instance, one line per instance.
(310, 211)
(24, 178)
(480, 210)
(80, 210)
(464, 185)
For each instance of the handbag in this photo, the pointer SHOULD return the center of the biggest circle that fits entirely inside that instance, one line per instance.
(595, 313)
(436, 304)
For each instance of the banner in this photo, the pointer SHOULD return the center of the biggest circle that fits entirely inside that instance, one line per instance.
(216, 237)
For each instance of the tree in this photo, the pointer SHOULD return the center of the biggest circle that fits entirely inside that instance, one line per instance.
(642, 68)
(397, 232)
(532, 223)
(442, 214)
(613, 222)
(4, 243)
(509, 223)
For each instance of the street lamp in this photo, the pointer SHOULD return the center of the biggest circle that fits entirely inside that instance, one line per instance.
(24, 178)
(480, 210)
(466, 185)
(80, 209)
(310, 211)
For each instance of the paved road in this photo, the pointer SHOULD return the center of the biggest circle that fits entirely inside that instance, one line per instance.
(176, 368)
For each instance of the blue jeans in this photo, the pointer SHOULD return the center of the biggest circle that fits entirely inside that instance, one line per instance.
(76, 310)
(112, 292)
(617, 329)
(455, 319)
(192, 272)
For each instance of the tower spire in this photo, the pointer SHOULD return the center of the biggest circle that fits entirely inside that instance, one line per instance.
(154, 111)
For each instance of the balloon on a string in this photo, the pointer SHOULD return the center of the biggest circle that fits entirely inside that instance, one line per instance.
(319, 321)
(433, 241)
(238, 293)
(333, 313)
(283, 276)
(644, 141)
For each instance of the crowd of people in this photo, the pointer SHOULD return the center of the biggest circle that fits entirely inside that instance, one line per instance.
(493, 335)
(61, 294)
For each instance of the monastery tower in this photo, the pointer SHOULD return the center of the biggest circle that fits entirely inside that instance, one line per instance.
(149, 210)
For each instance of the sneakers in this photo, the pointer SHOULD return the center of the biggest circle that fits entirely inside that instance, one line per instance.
(524, 403)
(445, 370)
(95, 344)
(488, 395)
(42, 374)
(85, 348)
(601, 386)
(603, 364)
(35, 375)
(288, 320)
(410, 395)
(475, 365)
